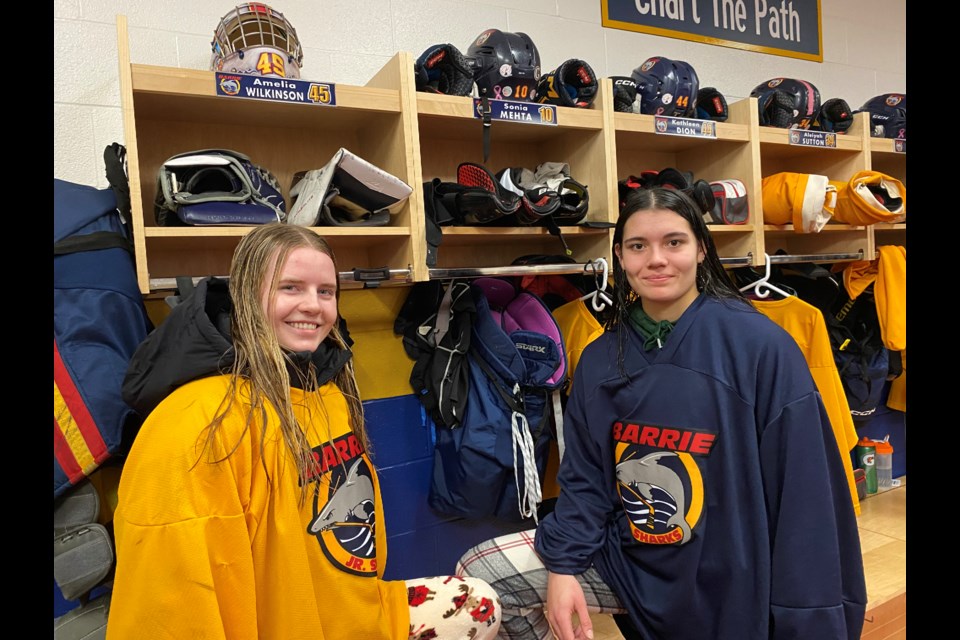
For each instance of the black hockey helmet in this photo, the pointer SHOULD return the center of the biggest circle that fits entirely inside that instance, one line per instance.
(787, 103)
(506, 65)
(667, 87)
(888, 115)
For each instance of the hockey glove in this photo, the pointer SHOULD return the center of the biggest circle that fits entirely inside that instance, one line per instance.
(835, 115)
(443, 69)
(572, 84)
(711, 105)
(625, 98)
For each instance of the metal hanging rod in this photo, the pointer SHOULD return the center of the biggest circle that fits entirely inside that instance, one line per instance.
(372, 278)
(512, 270)
(356, 279)
(817, 257)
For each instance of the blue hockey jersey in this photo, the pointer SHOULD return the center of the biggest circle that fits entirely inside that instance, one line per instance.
(708, 489)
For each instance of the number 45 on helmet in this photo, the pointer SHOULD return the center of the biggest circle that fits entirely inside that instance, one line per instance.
(253, 38)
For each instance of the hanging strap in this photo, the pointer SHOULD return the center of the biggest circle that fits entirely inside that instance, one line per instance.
(92, 242)
(485, 113)
(531, 496)
(554, 230)
(443, 314)
(558, 421)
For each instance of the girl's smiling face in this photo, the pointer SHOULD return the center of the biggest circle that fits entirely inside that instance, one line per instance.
(304, 307)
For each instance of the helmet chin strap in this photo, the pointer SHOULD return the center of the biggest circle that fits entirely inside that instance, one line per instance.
(485, 112)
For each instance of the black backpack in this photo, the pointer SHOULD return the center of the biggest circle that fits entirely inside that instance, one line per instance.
(436, 325)
(863, 362)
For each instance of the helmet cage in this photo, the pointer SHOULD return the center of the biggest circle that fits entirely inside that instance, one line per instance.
(255, 38)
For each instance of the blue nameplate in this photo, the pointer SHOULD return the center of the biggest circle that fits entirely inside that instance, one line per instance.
(805, 138)
(240, 85)
(511, 111)
(685, 127)
(900, 145)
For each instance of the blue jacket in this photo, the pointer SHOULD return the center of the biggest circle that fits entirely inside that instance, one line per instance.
(710, 494)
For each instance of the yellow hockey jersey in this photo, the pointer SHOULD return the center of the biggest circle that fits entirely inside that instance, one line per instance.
(805, 323)
(579, 328)
(225, 550)
(888, 274)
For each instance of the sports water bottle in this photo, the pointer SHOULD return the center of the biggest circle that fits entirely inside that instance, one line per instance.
(866, 453)
(884, 462)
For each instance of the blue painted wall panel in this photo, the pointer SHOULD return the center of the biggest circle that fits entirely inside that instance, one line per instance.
(434, 551)
(399, 430)
(421, 542)
(405, 489)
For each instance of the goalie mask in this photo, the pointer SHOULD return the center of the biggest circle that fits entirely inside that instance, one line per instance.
(506, 65)
(787, 103)
(667, 87)
(255, 39)
(888, 115)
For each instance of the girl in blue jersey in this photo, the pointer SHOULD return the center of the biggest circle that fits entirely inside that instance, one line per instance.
(701, 488)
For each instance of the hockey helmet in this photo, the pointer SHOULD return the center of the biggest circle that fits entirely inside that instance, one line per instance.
(667, 87)
(787, 103)
(888, 115)
(256, 39)
(506, 65)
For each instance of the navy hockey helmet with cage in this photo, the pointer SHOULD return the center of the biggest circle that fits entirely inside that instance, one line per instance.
(888, 115)
(787, 103)
(506, 65)
(667, 87)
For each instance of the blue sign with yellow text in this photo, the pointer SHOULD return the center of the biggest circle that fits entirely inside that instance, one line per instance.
(790, 28)
(240, 85)
(513, 111)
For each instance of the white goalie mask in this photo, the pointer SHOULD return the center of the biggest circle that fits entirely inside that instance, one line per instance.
(253, 38)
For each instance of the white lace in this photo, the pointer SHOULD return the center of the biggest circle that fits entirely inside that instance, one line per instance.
(531, 495)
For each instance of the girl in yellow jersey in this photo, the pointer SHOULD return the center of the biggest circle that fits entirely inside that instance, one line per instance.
(249, 505)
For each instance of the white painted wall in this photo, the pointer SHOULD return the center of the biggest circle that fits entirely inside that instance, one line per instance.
(348, 41)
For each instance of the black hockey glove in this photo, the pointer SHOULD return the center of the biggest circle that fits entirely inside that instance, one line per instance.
(711, 105)
(835, 115)
(443, 69)
(572, 84)
(625, 97)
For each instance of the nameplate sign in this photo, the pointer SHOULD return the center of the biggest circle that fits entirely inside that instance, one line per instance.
(804, 138)
(241, 85)
(515, 111)
(691, 127)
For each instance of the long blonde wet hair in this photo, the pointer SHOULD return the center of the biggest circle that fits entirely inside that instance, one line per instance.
(260, 362)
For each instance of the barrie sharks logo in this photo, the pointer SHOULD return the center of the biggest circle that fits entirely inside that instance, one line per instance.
(659, 480)
(344, 509)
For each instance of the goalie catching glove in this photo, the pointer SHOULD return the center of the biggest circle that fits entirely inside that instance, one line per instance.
(572, 84)
(443, 69)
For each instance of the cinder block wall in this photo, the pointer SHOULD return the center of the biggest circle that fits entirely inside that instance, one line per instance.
(348, 41)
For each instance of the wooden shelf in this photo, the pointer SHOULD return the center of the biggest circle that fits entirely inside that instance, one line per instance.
(421, 136)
